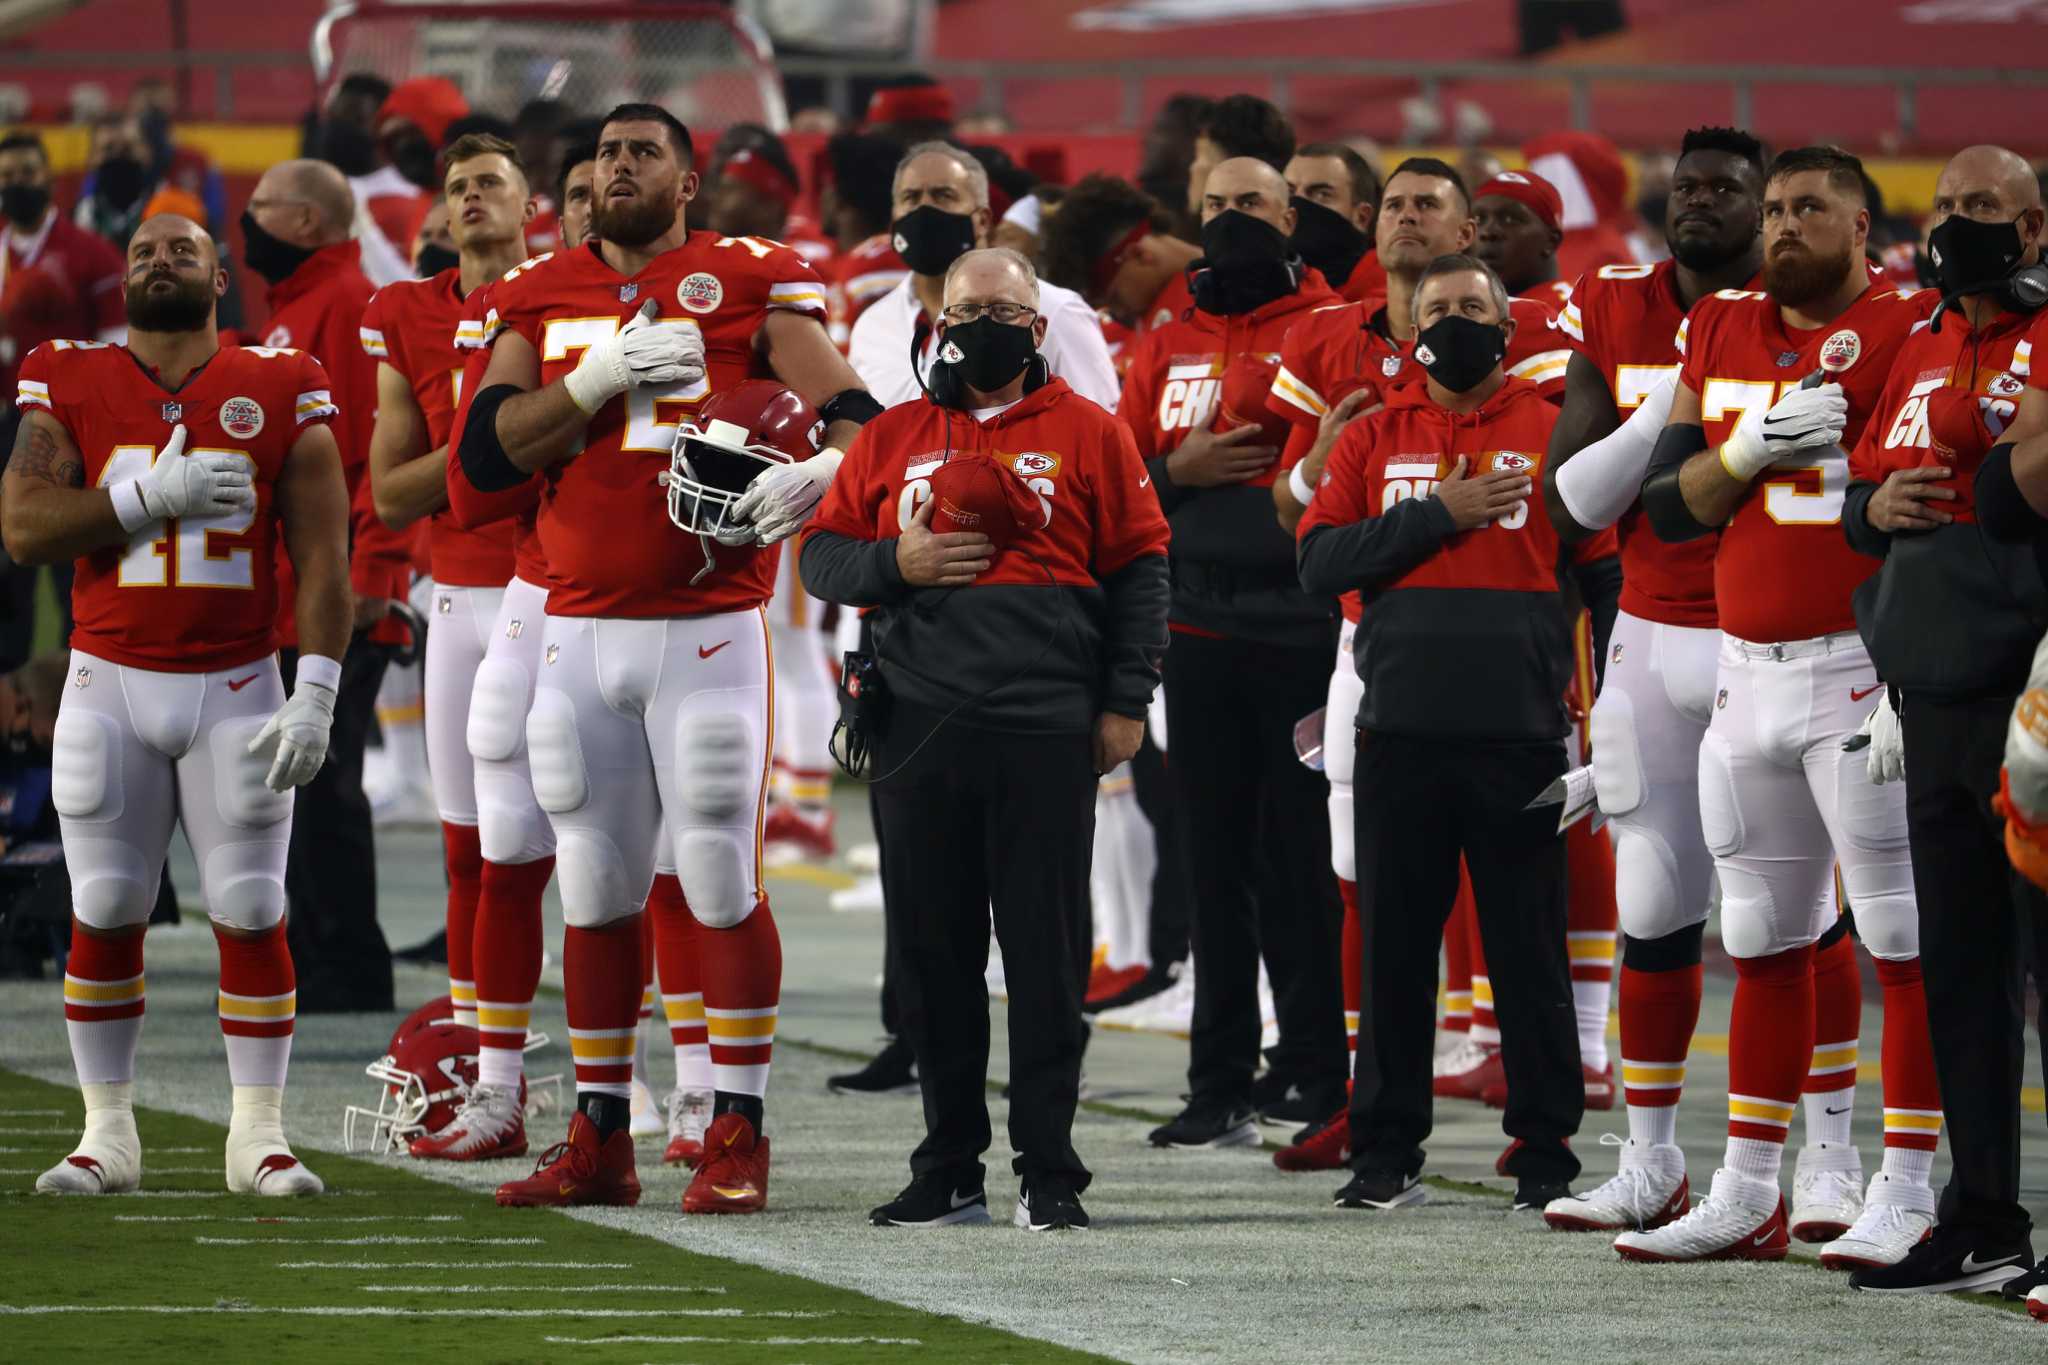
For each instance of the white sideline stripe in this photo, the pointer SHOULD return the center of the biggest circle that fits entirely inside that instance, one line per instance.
(32, 1113)
(750, 1341)
(146, 1170)
(40, 1310)
(285, 1218)
(370, 1242)
(551, 1289)
(47, 1130)
(454, 1265)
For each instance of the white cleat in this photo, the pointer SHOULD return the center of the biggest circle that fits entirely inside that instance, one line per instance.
(1741, 1219)
(1827, 1191)
(647, 1120)
(108, 1159)
(1171, 1011)
(864, 897)
(1897, 1216)
(1648, 1191)
(258, 1160)
(864, 858)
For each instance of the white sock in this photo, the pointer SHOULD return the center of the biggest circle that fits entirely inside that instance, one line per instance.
(693, 1067)
(1828, 1115)
(1910, 1164)
(1756, 1159)
(500, 1067)
(1589, 1002)
(1653, 1125)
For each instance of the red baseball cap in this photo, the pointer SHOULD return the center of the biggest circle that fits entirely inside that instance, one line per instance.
(1527, 187)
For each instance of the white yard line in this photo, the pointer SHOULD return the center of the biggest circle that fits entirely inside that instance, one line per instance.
(146, 1170)
(369, 1241)
(32, 1113)
(750, 1341)
(286, 1218)
(551, 1289)
(40, 1310)
(455, 1265)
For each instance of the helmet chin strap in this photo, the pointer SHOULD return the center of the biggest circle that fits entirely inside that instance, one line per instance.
(710, 563)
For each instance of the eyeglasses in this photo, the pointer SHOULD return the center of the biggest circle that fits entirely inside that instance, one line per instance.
(1008, 314)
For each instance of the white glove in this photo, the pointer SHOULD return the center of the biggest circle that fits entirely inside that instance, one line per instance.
(780, 500)
(1885, 760)
(2026, 744)
(181, 485)
(643, 352)
(298, 732)
(1804, 419)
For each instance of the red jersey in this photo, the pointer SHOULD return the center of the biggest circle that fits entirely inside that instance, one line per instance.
(192, 594)
(859, 277)
(1555, 295)
(1994, 363)
(1623, 319)
(1366, 279)
(58, 281)
(469, 507)
(1782, 569)
(411, 326)
(1173, 302)
(611, 549)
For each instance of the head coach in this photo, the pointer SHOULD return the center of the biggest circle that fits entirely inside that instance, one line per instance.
(1002, 530)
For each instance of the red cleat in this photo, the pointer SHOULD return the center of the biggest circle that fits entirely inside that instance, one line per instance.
(732, 1175)
(1107, 982)
(1599, 1089)
(1327, 1149)
(582, 1170)
(810, 836)
(1478, 1068)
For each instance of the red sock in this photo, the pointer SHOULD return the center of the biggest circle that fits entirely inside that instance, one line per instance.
(678, 950)
(258, 1000)
(1659, 1012)
(1590, 916)
(1770, 1035)
(742, 974)
(1458, 936)
(1485, 1026)
(1912, 1095)
(507, 956)
(1837, 1017)
(464, 861)
(1354, 963)
(601, 976)
(103, 1004)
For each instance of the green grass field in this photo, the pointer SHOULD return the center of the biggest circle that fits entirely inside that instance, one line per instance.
(390, 1265)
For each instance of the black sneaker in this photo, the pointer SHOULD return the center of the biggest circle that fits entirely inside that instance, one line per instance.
(1375, 1189)
(430, 953)
(1951, 1260)
(1207, 1123)
(936, 1199)
(892, 1072)
(1047, 1203)
(1279, 1100)
(1534, 1194)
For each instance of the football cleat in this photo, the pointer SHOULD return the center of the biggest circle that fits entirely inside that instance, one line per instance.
(490, 1123)
(689, 1114)
(792, 836)
(1468, 1072)
(258, 1161)
(583, 1169)
(646, 1115)
(1648, 1191)
(1599, 1089)
(864, 897)
(1897, 1216)
(1326, 1148)
(1827, 1191)
(732, 1175)
(108, 1159)
(1106, 983)
(1169, 1011)
(1741, 1219)
(2037, 1303)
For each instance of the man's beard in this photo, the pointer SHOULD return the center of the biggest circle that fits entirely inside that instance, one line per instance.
(1705, 254)
(1798, 277)
(634, 223)
(185, 309)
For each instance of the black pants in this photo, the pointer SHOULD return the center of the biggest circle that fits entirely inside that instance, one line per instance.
(1167, 928)
(1255, 839)
(330, 881)
(981, 820)
(1981, 923)
(1420, 803)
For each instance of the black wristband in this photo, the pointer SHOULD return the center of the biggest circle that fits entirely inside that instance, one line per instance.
(1663, 502)
(484, 461)
(857, 406)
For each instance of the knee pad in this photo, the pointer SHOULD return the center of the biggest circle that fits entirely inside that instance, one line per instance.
(718, 771)
(497, 710)
(243, 884)
(244, 799)
(595, 888)
(510, 825)
(1887, 917)
(1617, 757)
(1720, 811)
(110, 886)
(560, 782)
(85, 766)
(1749, 916)
(1651, 890)
(717, 873)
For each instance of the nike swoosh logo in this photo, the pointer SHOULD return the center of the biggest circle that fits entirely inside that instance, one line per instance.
(732, 1191)
(1142, 482)
(565, 1190)
(1760, 1239)
(1970, 1264)
(1854, 695)
(237, 684)
(1843, 1110)
(704, 653)
(961, 1201)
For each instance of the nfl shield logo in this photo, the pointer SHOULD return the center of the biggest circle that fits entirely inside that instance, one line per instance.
(1390, 366)
(1787, 359)
(628, 292)
(174, 412)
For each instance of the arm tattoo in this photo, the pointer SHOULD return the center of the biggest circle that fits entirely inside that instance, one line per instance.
(38, 456)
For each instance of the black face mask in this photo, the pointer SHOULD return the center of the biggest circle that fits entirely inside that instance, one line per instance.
(120, 181)
(1458, 352)
(271, 257)
(1967, 253)
(986, 354)
(1325, 239)
(345, 147)
(1245, 263)
(434, 258)
(413, 158)
(25, 204)
(930, 239)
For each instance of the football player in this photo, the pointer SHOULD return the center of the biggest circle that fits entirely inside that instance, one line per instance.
(652, 708)
(574, 196)
(1517, 215)
(1772, 384)
(170, 468)
(411, 328)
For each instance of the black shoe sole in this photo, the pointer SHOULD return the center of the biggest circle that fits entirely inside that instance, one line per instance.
(1245, 1134)
(965, 1215)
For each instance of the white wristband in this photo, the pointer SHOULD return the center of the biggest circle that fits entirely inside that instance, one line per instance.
(828, 460)
(127, 496)
(589, 389)
(320, 671)
(1298, 485)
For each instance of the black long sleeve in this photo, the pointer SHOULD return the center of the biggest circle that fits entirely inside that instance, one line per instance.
(1134, 634)
(1171, 495)
(1599, 585)
(1862, 536)
(853, 573)
(1367, 555)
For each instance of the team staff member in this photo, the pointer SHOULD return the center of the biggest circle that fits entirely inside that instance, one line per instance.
(1251, 657)
(1951, 620)
(994, 806)
(1429, 510)
(295, 234)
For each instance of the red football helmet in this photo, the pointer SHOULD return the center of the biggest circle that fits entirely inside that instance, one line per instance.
(425, 1078)
(440, 1010)
(971, 492)
(1247, 381)
(753, 426)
